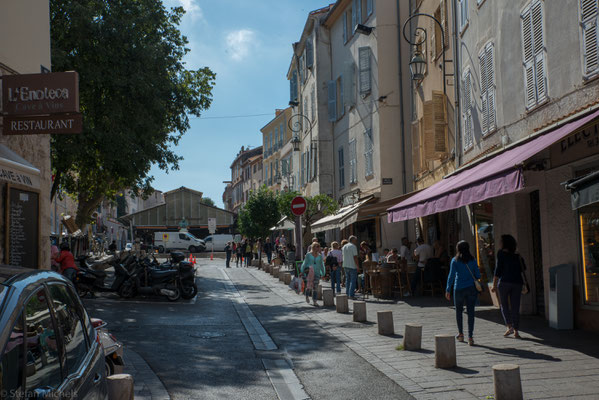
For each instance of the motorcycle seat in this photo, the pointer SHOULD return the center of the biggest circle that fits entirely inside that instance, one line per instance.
(99, 274)
(161, 274)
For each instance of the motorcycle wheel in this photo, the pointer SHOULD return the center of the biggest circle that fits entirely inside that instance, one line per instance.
(176, 296)
(82, 292)
(109, 365)
(189, 292)
(127, 290)
(161, 249)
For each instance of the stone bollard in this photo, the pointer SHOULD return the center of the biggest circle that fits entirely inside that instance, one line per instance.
(359, 311)
(282, 275)
(385, 322)
(319, 291)
(120, 387)
(445, 351)
(341, 303)
(287, 279)
(328, 297)
(267, 268)
(412, 339)
(506, 379)
(275, 272)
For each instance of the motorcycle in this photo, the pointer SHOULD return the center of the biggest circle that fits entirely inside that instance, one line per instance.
(173, 280)
(90, 281)
(113, 349)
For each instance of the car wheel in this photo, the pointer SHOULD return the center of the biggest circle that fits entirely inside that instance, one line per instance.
(192, 249)
(127, 290)
(189, 291)
(109, 365)
(176, 295)
(161, 249)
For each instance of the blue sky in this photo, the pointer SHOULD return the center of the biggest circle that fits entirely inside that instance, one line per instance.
(248, 44)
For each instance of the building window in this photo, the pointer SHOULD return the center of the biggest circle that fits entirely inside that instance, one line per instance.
(353, 166)
(533, 46)
(364, 63)
(341, 168)
(282, 133)
(293, 93)
(345, 28)
(590, 40)
(486, 59)
(369, 7)
(340, 99)
(589, 235)
(368, 154)
(468, 125)
(313, 104)
(332, 100)
(463, 13)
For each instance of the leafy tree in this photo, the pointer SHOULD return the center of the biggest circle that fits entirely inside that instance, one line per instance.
(259, 214)
(207, 201)
(317, 207)
(135, 95)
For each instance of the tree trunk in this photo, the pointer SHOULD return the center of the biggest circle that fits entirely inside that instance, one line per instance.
(85, 208)
(55, 185)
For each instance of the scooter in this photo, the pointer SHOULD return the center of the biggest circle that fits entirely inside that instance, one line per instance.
(91, 281)
(113, 349)
(188, 287)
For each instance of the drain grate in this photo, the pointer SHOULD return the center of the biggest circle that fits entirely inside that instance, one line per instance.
(206, 335)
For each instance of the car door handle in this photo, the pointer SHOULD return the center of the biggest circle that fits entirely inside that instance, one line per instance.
(97, 379)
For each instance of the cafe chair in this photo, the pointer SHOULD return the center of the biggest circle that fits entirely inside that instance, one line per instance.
(403, 279)
(432, 277)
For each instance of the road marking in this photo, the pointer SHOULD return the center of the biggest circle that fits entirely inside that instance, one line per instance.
(279, 372)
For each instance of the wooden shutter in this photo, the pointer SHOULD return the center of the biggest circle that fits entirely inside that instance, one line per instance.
(468, 136)
(332, 100)
(428, 131)
(353, 16)
(444, 23)
(529, 61)
(345, 31)
(588, 17)
(293, 86)
(416, 159)
(314, 163)
(341, 167)
(440, 123)
(309, 53)
(341, 100)
(490, 67)
(368, 153)
(463, 13)
(364, 62)
(358, 7)
(482, 60)
(539, 50)
(352, 162)
(349, 82)
(369, 7)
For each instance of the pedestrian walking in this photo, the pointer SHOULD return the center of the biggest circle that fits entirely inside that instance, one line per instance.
(228, 251)
(313, 269)
(268, 250)
(237, 254)
(350, 265)
(248, 253)
(335, 260)
(463, 279)
(510, 280)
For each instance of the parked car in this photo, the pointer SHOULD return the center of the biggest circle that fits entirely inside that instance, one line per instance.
(219, 241)
(166, 241)
(129, 247)
(113, 349)
(49, 348)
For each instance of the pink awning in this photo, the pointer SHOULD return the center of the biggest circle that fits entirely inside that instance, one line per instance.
(497, 176)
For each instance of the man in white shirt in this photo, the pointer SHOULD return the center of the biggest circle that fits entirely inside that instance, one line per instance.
(422, 253)
(350, 265)
(404, 250)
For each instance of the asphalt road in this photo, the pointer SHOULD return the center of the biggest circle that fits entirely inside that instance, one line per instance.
(202, 349)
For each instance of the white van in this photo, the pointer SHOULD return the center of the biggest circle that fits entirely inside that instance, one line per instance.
(164, 241)
(219, 241)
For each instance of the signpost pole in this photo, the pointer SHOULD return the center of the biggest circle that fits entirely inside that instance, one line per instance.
(298, 238)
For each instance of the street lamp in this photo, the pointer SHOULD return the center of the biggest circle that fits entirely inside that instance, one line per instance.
(296, 142)
(418, 63)
(417, 67)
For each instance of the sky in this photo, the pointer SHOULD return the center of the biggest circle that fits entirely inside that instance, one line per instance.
(248, 44)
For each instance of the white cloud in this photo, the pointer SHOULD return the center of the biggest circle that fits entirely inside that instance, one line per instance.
(193, 8)
(239, 43)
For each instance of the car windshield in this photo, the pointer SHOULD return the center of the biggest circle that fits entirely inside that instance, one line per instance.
(191, 236)
(2, 291)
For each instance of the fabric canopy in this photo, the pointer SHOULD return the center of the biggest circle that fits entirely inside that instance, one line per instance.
(15, 169)
(346, 216)
(497, 176)
(585, 190)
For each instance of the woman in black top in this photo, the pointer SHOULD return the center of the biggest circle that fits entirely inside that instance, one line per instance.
(508, 279)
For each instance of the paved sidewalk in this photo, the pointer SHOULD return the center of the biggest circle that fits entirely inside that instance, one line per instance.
(553, 364)
(147, 386)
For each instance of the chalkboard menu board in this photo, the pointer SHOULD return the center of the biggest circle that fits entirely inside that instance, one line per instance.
(22, 234)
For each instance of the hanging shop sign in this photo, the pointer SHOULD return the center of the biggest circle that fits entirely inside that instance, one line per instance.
(38, 94)
(580, 144)
(34, 104)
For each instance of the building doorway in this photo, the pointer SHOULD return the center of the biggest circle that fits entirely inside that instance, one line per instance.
(537, 252)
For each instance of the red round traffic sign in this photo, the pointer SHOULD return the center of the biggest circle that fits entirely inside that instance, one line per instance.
(298, 205)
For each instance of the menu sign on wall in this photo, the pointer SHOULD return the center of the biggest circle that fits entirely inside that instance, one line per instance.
(41, 103)
(22, 230)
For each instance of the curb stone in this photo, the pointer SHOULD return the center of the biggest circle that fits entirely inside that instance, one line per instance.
(147, 386)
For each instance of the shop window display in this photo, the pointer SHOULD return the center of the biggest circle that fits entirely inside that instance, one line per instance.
(485, 240)
(589, 234)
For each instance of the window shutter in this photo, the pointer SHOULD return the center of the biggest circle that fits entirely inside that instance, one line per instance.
(302, 67)
(293, 86)
(353, 16)
(314, 154)
(352, 162)
(312, 105)
(468, 136)
(482, 58)
(341, 96)
(348, 82)
(428, 130)
(440, 123)
(282, 131)
(332, 93)
(358, 7)
(369, 7)
(539, 50)
(416, 162)
(444, 24)
(341, 167)
(309, 53)
(528, 55)
(589, 36)
(364, 59)
(490, 66)
(345, 32)
(463, 13)
(368, 153)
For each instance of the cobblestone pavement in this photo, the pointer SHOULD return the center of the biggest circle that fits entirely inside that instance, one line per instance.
(553, 364)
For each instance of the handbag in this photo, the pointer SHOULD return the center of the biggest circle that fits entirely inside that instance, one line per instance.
(477, 285)
(525, 287)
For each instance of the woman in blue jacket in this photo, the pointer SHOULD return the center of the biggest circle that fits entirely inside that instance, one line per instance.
(313, 269)
(462, 273)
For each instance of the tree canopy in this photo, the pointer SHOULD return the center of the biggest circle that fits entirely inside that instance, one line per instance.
(259, 214)
(319, 205)
(208, 201)
(135, 95)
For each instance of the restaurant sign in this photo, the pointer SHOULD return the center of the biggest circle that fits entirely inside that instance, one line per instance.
(41, 103)
(580, 144)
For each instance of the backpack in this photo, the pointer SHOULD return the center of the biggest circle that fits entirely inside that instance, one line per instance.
(331, 261)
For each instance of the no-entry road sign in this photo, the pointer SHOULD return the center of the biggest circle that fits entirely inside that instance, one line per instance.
(298, 205)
